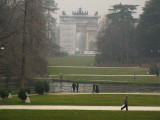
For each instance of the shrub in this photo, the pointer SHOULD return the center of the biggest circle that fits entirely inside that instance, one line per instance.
(154, 70)
(41, 87)
(28, 90)
(9, 90)
(4, 94)
(22, 94)
(46, 86)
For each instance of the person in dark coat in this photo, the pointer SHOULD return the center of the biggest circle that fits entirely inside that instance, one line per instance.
(125, 103)
(97, 89)
(77, 87)
(74, 86)
(94, 86)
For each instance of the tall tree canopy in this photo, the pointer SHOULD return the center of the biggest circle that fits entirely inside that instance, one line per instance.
(27, 43)
(115, 41)
(149, 30)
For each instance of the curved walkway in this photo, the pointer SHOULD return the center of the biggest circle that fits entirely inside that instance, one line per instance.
(62, 107)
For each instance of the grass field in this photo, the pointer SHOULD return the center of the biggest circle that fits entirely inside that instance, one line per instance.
(97, 71)
(86, 72)
(87, 100)
(76, 115)
(84, 99)
(113, 79)
(71, 61)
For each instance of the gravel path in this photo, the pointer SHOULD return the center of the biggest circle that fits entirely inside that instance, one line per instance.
(62, 107)
(104, 93)
(89, 67)
(99, 75)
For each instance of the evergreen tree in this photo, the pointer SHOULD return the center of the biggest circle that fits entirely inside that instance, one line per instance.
(149, 30)
(116, 40)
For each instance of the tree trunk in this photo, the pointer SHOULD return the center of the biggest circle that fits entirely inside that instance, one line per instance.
(23, 45)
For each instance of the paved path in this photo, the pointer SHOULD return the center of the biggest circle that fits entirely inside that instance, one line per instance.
(90, 67)
(62, 107)
(137, 93)
(98, 75)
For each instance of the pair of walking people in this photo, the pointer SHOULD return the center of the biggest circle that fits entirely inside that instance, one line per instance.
(95, 88)
(75, 86)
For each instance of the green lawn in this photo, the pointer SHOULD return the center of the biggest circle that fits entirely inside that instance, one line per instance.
(89, 99)
(97, 71)
(71, 61)
(79, 74)
(113, 79)
(76, 115)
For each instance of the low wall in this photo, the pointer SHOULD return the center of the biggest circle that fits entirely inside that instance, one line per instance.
(66, 86)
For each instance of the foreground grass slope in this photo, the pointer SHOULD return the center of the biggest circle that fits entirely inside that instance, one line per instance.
(76, 115)
(88, 100)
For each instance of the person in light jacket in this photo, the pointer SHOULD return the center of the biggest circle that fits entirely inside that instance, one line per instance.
(125, 103)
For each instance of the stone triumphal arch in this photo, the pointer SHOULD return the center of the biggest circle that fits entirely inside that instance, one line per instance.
(78, 31)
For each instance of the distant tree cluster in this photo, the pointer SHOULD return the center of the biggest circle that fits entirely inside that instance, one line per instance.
(126, 40)
(24, 29)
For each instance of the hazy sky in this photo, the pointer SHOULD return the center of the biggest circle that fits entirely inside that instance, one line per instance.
(95, 5)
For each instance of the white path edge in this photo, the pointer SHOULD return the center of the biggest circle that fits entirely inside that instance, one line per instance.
(65, 107)
(88, 67)
(99, 75)
(136, 93)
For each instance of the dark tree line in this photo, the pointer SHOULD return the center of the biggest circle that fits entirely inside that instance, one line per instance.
(24, 35)
(149, 31)
(126, 40)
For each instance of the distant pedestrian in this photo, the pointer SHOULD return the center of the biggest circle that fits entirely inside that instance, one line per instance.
(125, 103)
(134, 77)
(61, 76)
(74, 86)
(97, 89)
(94, 86)
(77, 87)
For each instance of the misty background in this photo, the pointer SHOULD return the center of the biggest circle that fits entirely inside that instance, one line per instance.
(91, 6)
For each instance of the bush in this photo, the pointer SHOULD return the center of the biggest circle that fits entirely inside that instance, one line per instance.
(41, 87)
(22, 94)
(28, 90)
(4, 94)
(46, 86)
(154, 70)
(9, 90)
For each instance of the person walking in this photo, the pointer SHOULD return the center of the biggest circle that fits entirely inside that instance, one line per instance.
(125, 103)
(61, 76)
(94, 86)
(97, 89)
(134, 77)
(74, 86)
(77, 87)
